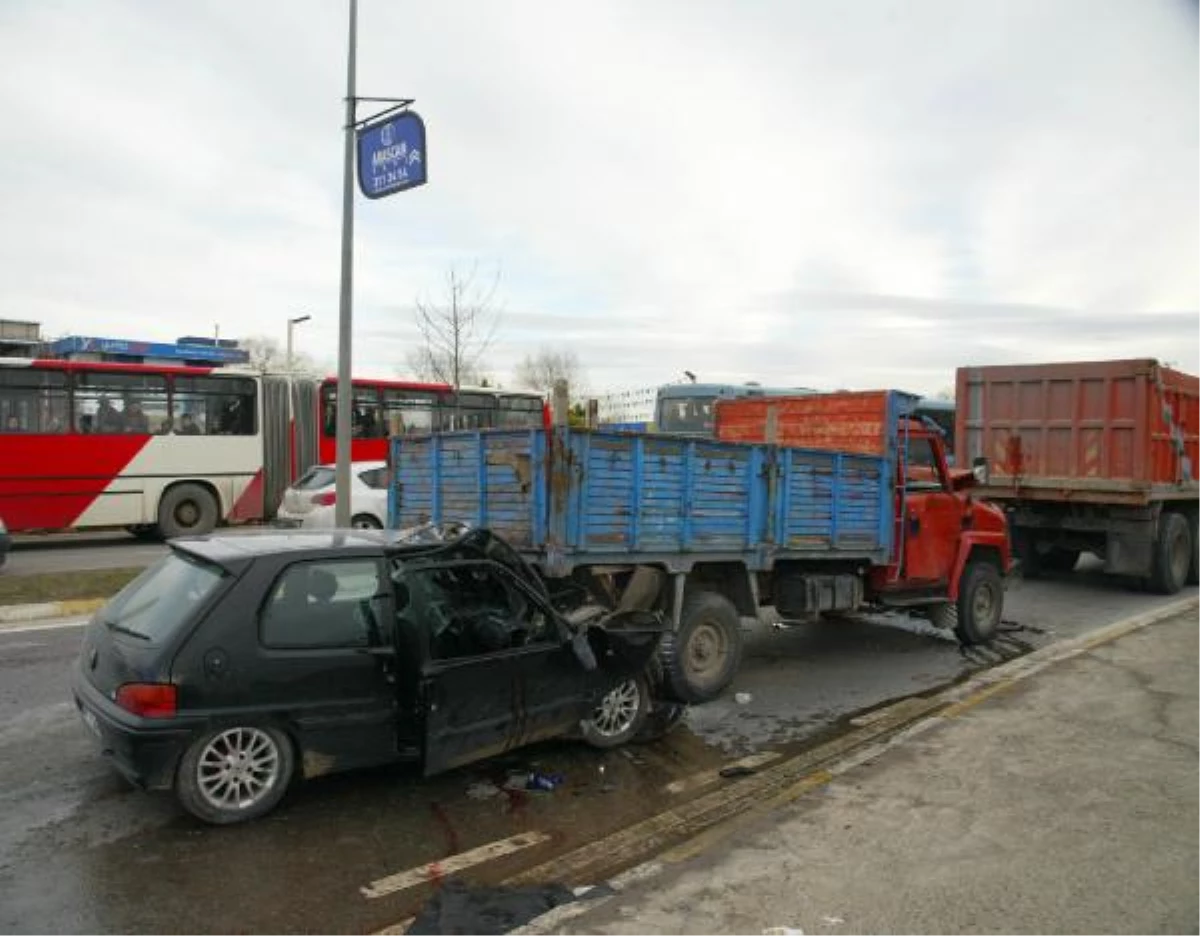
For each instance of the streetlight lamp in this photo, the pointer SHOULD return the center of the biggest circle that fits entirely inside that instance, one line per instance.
(292, 323)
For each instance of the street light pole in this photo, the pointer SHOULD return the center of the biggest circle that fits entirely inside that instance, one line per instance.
(342, 489)
(292, 323)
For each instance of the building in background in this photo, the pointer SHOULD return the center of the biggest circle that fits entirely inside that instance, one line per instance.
(19, 339)
(199, 352)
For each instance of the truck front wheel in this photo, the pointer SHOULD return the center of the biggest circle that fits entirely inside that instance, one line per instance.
(700, 660)
(1172, 554)
(976, 615)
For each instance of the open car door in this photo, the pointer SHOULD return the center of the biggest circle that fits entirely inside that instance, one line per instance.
(500, 671)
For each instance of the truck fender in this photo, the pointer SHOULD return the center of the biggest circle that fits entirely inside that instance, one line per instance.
(983, 546)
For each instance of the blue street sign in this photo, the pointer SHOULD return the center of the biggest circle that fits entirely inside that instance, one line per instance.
(391, 155)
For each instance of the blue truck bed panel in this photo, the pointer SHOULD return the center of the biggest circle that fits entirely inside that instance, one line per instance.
(579, 497)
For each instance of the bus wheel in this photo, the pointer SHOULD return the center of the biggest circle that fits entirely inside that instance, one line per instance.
(701, 659)
(187, 510)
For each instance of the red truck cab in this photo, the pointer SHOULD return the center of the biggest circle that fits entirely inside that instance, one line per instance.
(943, 531)
(950, 549)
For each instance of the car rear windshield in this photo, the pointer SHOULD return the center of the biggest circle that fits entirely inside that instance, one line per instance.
(315, 478)
(159, 600)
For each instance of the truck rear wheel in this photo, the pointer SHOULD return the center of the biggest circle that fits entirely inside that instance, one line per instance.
(1172, 554)
(700, 660)
(1193, 577)
(975, 617)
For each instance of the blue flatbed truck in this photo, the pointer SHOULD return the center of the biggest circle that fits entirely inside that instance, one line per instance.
(709, 531)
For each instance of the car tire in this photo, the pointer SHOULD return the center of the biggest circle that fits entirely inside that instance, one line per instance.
(701, 659)
(365, 522)
(1172, 554)
(976, 615)
(620, 714)
(187, 510)
(209, 784)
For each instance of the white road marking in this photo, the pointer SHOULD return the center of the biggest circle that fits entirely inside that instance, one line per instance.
(712, 776)
(455, 863)
(48, 625)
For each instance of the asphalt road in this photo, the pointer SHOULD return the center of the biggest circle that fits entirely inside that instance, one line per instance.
(79, 552)
(81, 851)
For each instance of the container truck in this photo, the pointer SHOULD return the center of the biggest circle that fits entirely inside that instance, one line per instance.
(708, 532)
(1095, 456)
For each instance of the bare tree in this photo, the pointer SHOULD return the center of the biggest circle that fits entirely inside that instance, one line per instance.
(457, 328)
(267, 355)
(540, 371)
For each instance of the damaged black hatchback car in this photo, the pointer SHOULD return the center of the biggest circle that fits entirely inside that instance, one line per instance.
(237, 663)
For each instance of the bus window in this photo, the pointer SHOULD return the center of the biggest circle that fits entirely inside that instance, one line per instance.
(121, 403)
(408, 412)
(213, 406)
(520, 411)
(33, 401)
(366, 416)
(472, 409)
(689, 414)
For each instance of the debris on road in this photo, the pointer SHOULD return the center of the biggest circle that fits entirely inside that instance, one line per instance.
(482, 789)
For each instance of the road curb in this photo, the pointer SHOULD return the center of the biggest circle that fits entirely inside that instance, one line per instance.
(888, 728)
(47, 610)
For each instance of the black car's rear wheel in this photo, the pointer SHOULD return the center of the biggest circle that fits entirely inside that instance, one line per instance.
(235, 774)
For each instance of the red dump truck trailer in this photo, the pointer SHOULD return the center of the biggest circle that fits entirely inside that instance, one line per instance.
(1095, 456)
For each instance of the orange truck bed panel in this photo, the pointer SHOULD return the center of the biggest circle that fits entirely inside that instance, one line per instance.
(858, 421)
(1081, 428)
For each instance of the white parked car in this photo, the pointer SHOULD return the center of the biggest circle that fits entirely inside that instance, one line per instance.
(311, 501)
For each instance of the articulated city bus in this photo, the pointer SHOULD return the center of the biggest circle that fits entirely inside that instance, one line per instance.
(180, 449)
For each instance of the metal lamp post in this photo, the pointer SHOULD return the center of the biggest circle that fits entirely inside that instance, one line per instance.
(292, 323)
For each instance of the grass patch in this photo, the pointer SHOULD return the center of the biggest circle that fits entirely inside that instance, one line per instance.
(63, 586)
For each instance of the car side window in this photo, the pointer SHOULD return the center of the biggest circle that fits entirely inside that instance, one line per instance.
(323, 603)
(374, 478)
(470, 609)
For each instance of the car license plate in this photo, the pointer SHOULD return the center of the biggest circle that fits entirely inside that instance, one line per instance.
(90, 720)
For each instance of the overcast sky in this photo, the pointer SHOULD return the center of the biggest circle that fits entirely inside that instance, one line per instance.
(830, 194)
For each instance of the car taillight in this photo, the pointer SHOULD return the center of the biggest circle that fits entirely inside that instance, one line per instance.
(150, 700)
(325, 499)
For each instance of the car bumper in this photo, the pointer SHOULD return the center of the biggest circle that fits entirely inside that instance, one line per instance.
(321, 518)
(144, 750)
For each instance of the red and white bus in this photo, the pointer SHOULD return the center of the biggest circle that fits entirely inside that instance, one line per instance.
(178, 449)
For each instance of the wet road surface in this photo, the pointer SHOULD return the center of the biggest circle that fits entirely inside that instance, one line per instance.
(82, 851)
